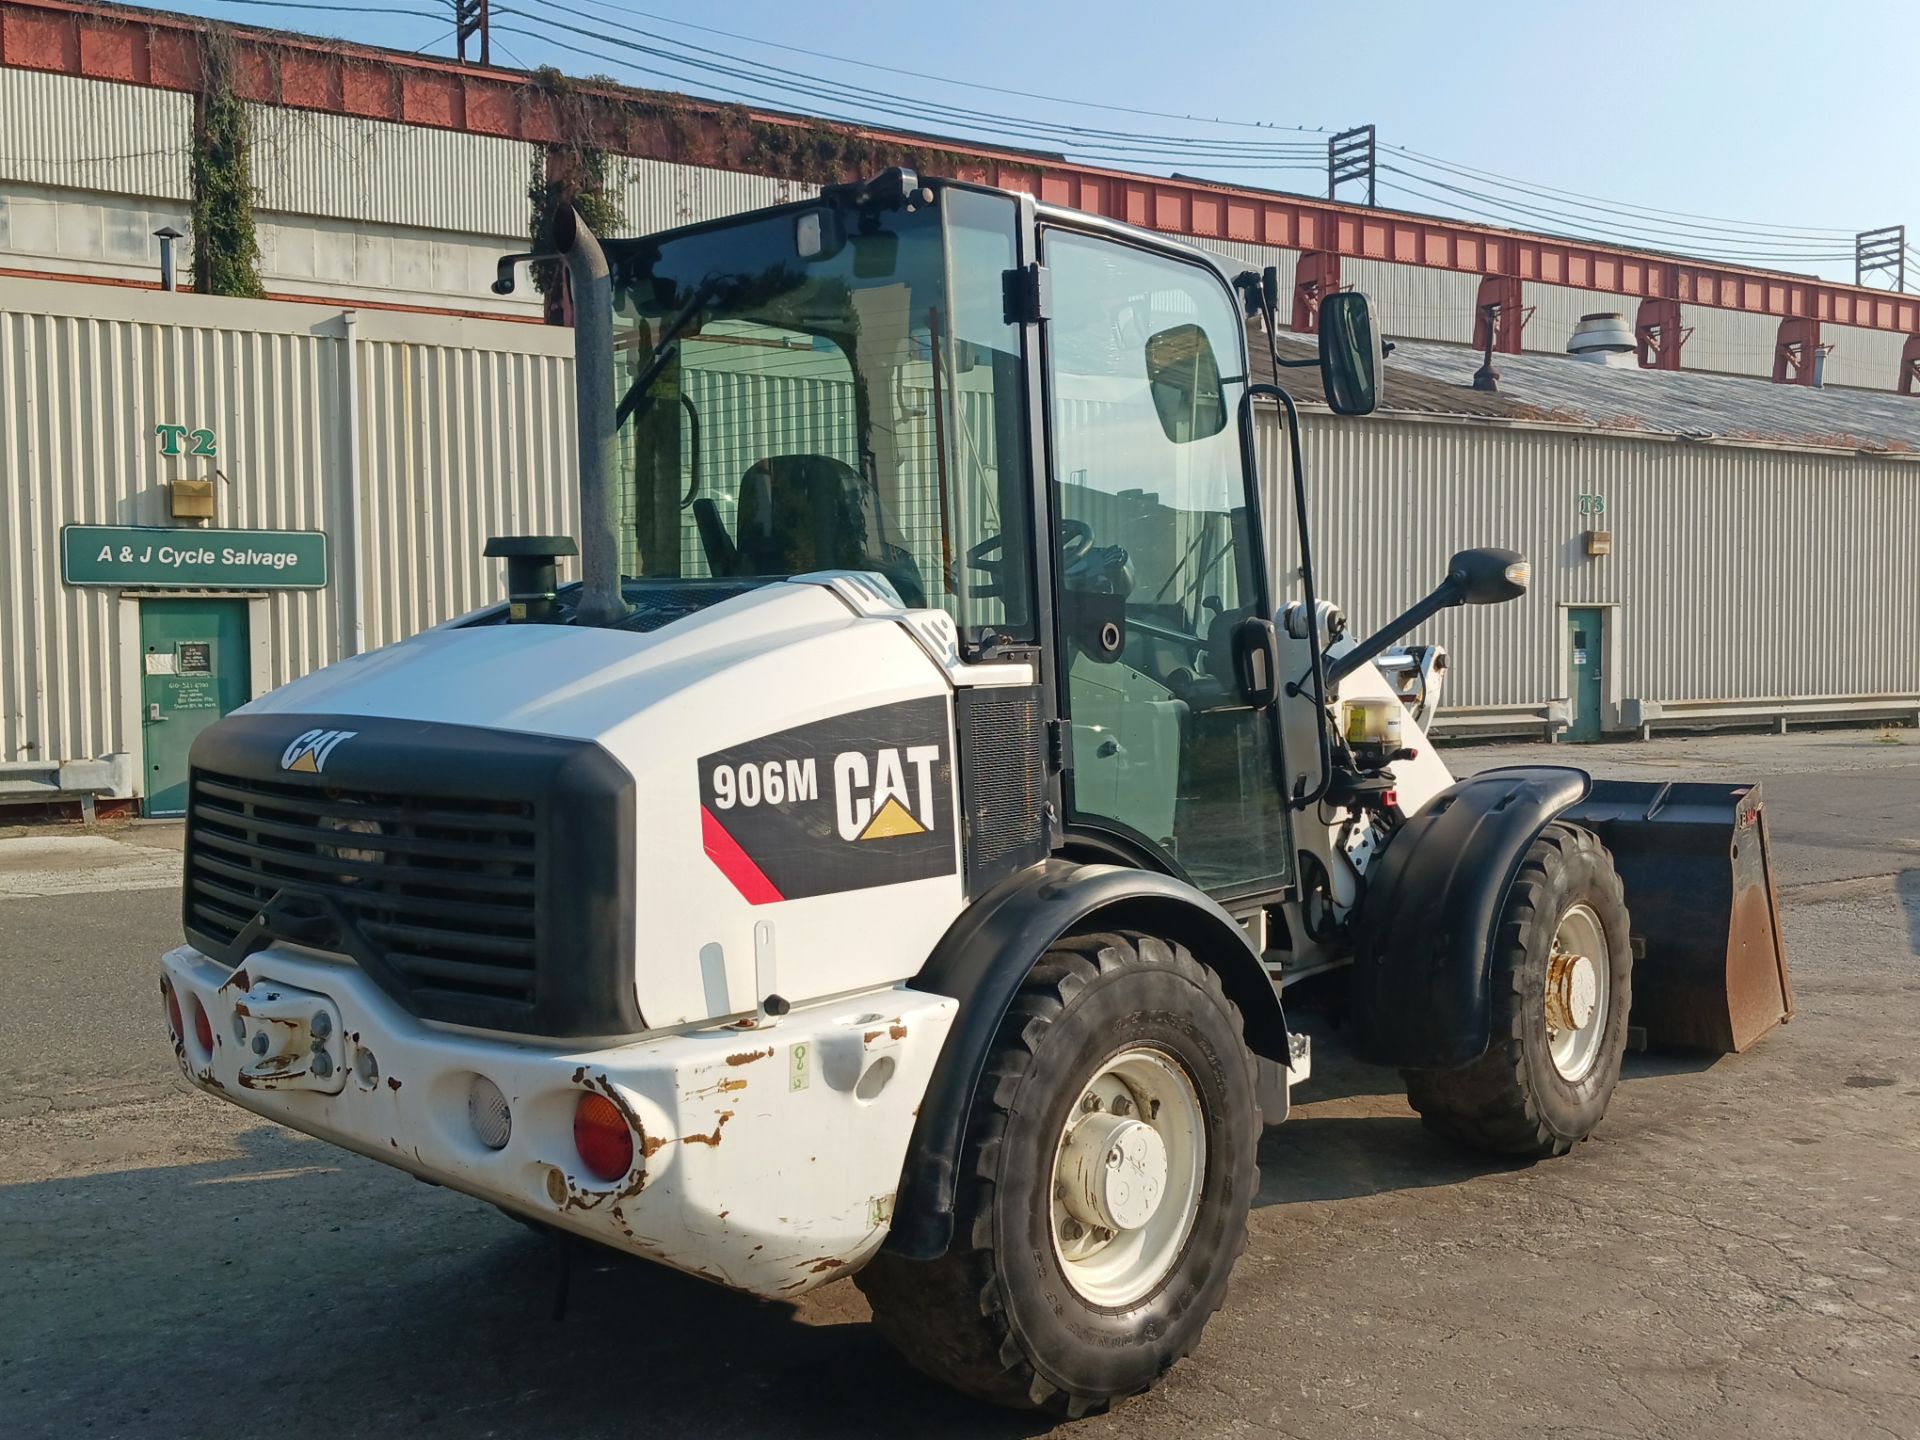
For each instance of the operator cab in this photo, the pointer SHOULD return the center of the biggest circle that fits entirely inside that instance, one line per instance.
(874, 380)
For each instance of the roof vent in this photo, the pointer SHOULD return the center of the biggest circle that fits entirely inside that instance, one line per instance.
(1604, 339)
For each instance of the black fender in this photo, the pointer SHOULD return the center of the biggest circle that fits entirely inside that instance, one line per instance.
(982, 961)
(1422, 943)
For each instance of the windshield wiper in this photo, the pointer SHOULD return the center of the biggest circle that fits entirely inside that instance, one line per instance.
(638, 397)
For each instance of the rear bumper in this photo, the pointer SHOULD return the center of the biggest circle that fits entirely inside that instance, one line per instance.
(765, 1159)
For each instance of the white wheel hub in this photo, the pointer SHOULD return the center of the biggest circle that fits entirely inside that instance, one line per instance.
(1127, 1176)
(1577, 992)
(1114, 1171)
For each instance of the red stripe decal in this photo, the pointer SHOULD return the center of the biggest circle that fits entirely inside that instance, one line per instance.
(734, 862)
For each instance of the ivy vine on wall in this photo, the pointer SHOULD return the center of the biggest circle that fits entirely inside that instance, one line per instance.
(226, 250)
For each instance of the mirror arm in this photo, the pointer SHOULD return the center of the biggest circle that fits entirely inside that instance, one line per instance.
(1447, 594)
(1309, 364)
(1325, 739)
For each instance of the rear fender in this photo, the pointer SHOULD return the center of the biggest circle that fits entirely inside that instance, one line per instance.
(1420, 997)
(983, 960)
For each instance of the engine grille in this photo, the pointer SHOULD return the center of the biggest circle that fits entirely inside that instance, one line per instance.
(443, 890)
(1003, 782)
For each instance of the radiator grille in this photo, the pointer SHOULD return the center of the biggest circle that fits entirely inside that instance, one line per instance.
(1003, 781)
(444, 890)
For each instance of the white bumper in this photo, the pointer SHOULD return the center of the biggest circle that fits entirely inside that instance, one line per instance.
(765, 1159)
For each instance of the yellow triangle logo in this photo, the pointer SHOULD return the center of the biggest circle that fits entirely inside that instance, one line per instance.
(305, 763)
(891, 819)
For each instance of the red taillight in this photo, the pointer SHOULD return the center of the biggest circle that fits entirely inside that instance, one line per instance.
(603, 1138)
(202, 1026)
(174, 1022)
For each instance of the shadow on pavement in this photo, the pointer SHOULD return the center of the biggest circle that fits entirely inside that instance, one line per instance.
(298, 1282)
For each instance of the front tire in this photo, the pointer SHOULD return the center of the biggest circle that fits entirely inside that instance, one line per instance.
(1562, 985)
(1106, 1173)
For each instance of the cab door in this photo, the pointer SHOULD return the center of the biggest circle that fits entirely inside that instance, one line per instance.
(1157, 564)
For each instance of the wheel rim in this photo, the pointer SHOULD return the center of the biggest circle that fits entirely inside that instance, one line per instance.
(1127, 1177)
(1579, 984)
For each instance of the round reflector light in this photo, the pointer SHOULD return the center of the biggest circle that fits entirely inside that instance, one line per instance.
(202, 1027)
(487, 1111)
(603, 1138)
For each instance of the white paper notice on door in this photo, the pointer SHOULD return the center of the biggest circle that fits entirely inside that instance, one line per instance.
(161, 664)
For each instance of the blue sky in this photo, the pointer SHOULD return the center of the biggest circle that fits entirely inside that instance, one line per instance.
(1780, 129)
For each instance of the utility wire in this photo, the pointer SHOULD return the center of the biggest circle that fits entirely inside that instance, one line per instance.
(1629, 240)
(1101, 153)
(815, 87)
(963, 84)
(1643, 211)
(331, 8)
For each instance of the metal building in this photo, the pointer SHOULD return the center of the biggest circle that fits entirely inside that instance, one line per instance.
(1707, 549)
(205, 498)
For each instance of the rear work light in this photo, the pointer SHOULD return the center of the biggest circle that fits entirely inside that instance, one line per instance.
(202, 1026)
(603, 1138)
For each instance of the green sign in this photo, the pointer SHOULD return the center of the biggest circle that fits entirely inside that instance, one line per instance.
(193, 559)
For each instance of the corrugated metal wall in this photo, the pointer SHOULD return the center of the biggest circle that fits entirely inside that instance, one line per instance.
(464, 426)
(1730, 341)
(1726, 588)
(89, 135)
(658, 195)
(306, 163)
(1557, 310)
(1869, 359)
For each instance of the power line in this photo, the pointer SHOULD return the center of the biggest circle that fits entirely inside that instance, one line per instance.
(332, 8)
(1644, 211)
(1503, 213)
(962, 84)
(814, 87)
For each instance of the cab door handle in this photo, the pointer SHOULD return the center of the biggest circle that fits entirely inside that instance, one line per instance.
(154, 717)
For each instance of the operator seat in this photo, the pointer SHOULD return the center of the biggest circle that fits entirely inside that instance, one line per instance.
(807, 512)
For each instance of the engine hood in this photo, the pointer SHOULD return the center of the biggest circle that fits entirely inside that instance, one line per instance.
(570, 682)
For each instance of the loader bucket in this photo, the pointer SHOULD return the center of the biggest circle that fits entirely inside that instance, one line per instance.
(1710, 969)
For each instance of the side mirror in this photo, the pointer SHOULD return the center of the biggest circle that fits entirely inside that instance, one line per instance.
(1474, 577)
(1350, 353)
(1487, 577)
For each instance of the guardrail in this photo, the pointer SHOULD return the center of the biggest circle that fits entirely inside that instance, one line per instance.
(1543, 721)
(1777, 713)
(1548, 719)
(37, 782)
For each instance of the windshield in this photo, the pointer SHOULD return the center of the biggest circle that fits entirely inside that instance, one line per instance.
(825, 389)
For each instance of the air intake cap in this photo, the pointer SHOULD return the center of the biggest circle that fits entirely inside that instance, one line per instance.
(532, 574)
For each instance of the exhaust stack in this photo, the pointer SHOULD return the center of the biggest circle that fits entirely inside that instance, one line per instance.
(601, 602)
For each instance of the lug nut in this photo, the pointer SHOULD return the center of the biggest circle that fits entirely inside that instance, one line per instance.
(1090, 1103)
(1122, 1105)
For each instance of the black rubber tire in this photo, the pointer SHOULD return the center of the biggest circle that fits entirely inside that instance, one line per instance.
(1512, 1100)
(995, 1317)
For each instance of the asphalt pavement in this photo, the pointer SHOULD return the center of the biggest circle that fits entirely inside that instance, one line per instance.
(1735, 1253)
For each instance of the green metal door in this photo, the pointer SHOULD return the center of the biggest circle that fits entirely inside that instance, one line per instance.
(194, 668)
(1583, 674)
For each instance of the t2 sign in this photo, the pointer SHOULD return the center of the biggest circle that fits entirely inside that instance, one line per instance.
(199, 442)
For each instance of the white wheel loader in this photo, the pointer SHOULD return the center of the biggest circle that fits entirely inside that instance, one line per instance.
(888, 860)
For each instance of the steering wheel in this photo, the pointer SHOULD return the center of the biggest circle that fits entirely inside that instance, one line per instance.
(1076, 541)
(988, 557)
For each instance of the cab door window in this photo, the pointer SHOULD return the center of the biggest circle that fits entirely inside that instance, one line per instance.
(1156, 563)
